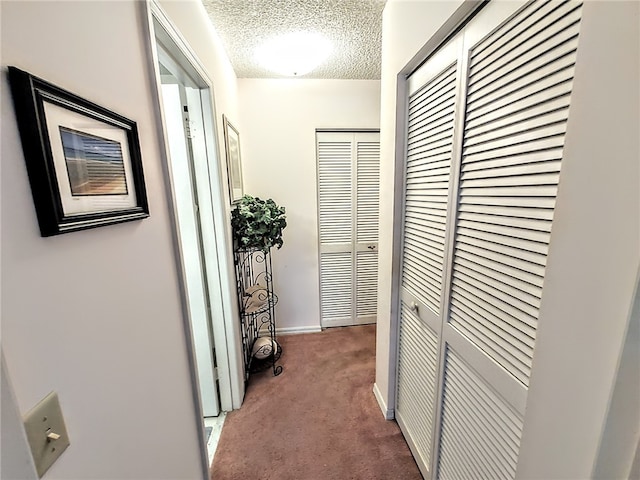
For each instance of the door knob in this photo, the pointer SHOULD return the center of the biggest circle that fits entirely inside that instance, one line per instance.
(414, 307)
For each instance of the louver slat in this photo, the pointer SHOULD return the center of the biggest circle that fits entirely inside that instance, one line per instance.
(520, 80)
(417, 360)
(334, 192)
(480, 435)
(431, 114)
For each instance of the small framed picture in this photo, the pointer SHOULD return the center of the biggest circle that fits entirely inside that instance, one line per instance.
(83, 161)
(234, 164)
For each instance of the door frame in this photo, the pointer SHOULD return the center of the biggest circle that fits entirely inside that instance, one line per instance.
(219, 269)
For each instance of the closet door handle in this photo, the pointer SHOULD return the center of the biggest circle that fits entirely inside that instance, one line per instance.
(371, 247)
(414, 307)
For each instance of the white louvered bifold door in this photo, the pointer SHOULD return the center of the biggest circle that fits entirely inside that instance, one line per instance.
(348, 196)
(518, 59)
(433, 94)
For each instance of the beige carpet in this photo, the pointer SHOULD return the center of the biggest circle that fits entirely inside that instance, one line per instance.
(318, 420)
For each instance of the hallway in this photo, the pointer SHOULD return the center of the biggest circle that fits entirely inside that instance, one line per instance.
(318, 419)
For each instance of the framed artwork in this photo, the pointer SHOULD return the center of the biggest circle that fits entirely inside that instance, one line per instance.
(234, 165)
(83, 161)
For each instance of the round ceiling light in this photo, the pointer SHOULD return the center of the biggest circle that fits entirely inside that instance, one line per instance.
(294, 54)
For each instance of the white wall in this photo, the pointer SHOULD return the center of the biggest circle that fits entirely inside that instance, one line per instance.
(96, 315)
(277, 126)
(407, 25)
(594, 256)
(620, 441)
(16, 462)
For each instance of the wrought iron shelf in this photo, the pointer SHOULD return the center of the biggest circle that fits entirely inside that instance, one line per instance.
(257, 302)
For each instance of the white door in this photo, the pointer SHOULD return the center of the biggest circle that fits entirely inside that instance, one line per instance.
(348, 196)
(486, 123)
(183, 122)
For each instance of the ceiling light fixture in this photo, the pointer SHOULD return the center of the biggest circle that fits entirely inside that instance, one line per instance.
(294, 54)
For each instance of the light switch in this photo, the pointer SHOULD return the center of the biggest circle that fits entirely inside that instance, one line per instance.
(46, 432)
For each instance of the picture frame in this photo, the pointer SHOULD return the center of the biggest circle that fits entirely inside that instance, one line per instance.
(234, 161)
(83, 160)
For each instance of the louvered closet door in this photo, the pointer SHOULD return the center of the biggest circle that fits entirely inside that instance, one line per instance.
(518, 94)
(433, 98)
(348, 196)
(518, 59)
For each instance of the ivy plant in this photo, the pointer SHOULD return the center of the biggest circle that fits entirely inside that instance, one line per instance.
(258, 223)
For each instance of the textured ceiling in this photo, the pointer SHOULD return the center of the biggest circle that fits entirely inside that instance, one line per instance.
(353, 26)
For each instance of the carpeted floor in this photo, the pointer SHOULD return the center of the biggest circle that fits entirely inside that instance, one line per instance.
(318, 420)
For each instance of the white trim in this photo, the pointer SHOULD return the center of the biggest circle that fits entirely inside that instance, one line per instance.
(349, 322)
(298, 330)
(147, 24)
(423, 467)
(389, 414)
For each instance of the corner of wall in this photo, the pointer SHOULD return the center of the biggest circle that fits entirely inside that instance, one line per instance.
(389, 414)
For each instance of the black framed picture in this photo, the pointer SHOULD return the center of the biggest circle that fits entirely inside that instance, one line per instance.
(83, 160)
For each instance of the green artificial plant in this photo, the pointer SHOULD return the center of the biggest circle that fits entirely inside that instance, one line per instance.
(258, 223)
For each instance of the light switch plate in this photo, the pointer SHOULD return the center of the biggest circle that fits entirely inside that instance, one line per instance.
(45, 418)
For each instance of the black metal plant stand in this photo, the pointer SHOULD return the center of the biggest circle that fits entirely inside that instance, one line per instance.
(257, 303)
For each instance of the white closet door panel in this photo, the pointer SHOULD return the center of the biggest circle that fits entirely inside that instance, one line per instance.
(367, 190)
(429, 149)
(335, 191)
(514, 156)
(480, 435)
(417, 380)
(518, 61)
(518, 96)
(428, 167)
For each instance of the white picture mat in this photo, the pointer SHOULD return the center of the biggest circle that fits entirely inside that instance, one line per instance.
(58, 116)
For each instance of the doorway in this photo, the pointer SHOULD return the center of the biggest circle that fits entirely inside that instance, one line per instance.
(183, 122)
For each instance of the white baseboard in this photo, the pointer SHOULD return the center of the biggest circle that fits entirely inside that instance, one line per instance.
(388, 413)
(349, 321)
(297, 330)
